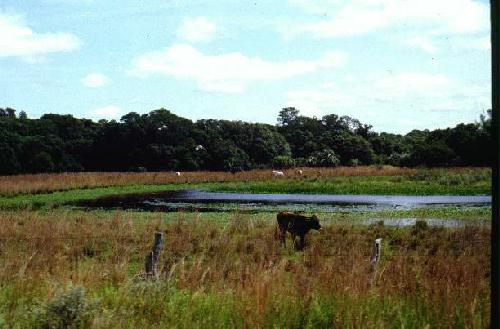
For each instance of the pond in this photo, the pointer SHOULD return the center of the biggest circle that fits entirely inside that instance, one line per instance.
(198, 200)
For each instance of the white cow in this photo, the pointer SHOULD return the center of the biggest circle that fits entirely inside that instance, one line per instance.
(300, 172)
(277, 173)
(177, 173)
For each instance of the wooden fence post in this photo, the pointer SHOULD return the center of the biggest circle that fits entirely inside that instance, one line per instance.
(152, 258)
(375, 253)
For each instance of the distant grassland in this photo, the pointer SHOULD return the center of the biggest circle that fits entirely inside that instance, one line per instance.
(49, 191)
(43, 183)
(83, 269)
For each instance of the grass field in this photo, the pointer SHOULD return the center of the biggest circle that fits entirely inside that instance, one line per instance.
(64, 267)
(42, 191)
(457, 184)
(314, 180)
(42, 183)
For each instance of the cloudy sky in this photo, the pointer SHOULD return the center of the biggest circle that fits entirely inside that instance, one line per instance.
(396, 64)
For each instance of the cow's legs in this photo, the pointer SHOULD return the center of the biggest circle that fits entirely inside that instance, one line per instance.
(302, 241)
(298, 243)
(294, 240)
(283, 235)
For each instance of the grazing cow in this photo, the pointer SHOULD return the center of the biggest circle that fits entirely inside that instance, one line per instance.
(177, 173)
(277, 173)
(297, 225)
(300, 172)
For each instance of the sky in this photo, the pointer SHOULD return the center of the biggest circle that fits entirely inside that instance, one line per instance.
(398, 65)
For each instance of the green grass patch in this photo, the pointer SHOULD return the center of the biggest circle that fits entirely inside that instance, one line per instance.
(381, 185)
(55, 199)
(350, 217)
(162, 305)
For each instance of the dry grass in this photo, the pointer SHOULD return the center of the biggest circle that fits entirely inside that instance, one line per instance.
(40, 183)
(448, 269)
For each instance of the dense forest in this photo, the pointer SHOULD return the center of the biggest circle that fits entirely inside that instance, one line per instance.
(161, 140)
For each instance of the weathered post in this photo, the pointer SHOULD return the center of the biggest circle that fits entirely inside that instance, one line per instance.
(375, 253)
(152, 258)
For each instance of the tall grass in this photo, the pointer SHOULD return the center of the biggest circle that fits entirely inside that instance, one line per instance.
(234, 273)
(40, 183)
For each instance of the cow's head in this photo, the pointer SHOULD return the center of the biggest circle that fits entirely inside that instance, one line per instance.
(315, 223)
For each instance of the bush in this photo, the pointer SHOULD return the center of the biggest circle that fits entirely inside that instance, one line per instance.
(420, 226)
(399, 159)
(138, 169)
(380, 159)
(325, 158)
(67, 310)
(353, 163)
(433, 154)
(283, 162)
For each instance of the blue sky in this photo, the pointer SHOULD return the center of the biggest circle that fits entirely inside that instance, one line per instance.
(396, 64)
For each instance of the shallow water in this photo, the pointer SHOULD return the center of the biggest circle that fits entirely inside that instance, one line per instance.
(410, 221)
(401, 200)
(201, 201)
(197, 200)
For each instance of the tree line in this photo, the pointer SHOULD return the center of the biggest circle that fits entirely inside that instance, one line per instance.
(161, 140)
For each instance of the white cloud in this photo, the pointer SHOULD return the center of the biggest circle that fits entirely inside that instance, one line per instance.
(198, 29)
(68, 2)
(407, 101)
(228, 72)
(423, 43)
(413, 85)
(481, 43)
(350, 20)
(420, 20)
(95, 80)
(106, 112)
(362, 16)
(18, 40)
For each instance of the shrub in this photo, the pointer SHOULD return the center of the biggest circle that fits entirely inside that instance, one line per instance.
(420, 226)
(325, 158)
(67, 310)
(283, 161)
(399, 159)
(353, 163)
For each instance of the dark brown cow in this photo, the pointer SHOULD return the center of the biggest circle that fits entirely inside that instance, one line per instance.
(297, 225)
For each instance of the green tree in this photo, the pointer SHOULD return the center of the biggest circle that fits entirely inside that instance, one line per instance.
(287, 115)
(324, 158)
(23, 115)
(349, 146)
